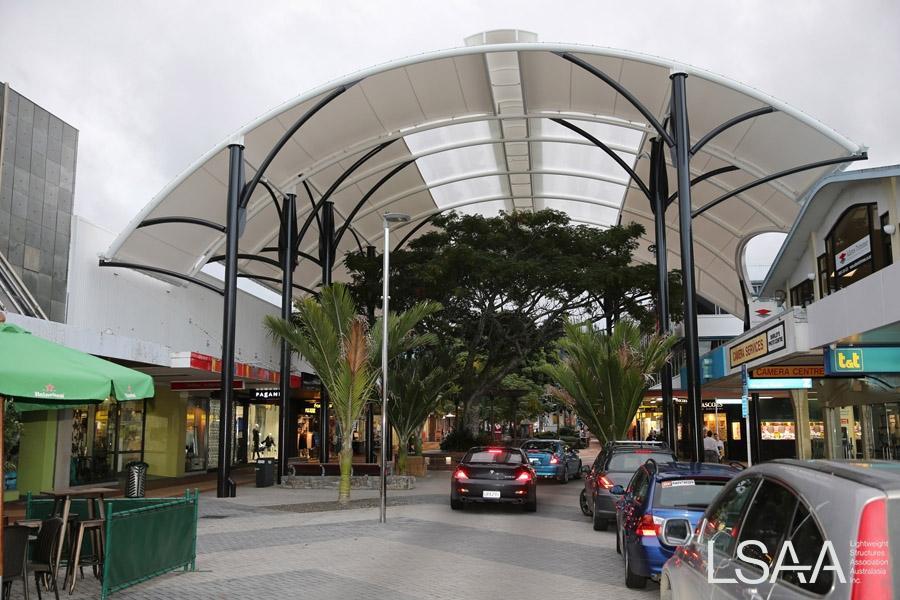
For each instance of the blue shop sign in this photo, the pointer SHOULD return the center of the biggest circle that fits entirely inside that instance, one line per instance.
(854, 360)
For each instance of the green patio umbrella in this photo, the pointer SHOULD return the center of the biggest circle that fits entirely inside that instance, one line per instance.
(41, 375)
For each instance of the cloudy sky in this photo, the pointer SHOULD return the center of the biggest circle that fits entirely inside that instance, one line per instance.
(153, 85)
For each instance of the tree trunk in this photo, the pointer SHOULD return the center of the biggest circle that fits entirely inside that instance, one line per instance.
(402, 453)
(346, 461)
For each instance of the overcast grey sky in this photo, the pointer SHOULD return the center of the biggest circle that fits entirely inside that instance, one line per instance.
(153, 85)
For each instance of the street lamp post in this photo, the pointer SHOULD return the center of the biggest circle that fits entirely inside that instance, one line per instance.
(385, 436)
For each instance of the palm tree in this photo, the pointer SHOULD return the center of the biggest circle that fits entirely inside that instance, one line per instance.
(603, 377)
(417, 386)
(331, 335)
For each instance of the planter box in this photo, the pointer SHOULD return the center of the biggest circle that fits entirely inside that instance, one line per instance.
(415, 466)
(360, 482)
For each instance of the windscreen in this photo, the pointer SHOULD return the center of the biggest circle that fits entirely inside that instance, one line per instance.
(547, 446)
(630, 461)
(504, 457)
(687, 493)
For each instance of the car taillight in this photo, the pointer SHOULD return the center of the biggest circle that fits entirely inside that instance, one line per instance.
(460, 475)
(871, 578)
(554, 460)
(649, 525)
(524, 476)
(604, 482)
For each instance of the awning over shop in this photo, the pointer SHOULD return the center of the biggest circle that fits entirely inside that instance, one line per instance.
(497, 126)
(41, 375)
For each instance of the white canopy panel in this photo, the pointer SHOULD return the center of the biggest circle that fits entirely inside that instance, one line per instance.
(475, 125)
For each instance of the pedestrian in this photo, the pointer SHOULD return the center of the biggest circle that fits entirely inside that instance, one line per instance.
(720, 446)
(710, 448)
(651, 437)
(269, 443)
(256, 441)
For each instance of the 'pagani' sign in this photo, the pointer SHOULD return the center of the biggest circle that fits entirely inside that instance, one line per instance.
(761, 344)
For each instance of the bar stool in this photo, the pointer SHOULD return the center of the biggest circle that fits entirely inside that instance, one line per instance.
(94, 529)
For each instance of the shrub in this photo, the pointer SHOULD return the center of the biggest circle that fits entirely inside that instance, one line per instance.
(567, 431)
(460, 440)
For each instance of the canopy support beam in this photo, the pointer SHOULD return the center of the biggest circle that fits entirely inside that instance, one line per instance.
(288, 263)
(704, 177)
(729, 124)
(609, 151)
(326, 258)
(659, 189)
(370, 407)
(245, 256)
(621, 90)
(151, 269)
(682, 152)
(778, 175)
(225, 486)
(189, 220)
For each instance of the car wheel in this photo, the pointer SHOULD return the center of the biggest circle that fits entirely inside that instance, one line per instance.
(585, 505)
(600, 524)
(618, 543)
(456, 504)
(633, 581)
(578, 471)
(531, 505)
(564, 478)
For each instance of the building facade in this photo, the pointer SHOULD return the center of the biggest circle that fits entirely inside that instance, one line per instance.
(38, 157)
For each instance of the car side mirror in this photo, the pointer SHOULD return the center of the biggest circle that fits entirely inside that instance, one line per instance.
(676, 532)
(617, 490)
(585, 469)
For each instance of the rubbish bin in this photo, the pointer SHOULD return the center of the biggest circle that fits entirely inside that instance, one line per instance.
(265, 472)
(135, 479)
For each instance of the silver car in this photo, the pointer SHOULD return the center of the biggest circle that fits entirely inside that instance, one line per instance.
(794, 529)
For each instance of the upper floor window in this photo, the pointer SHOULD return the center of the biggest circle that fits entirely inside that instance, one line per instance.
(802, 293)
(854, 248)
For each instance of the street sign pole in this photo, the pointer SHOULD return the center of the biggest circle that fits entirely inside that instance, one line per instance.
(745, 409)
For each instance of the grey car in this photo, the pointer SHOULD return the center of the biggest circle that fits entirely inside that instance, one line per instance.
(813, 515)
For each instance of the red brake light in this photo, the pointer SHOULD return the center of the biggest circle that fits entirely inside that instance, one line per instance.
(524, 476)
(495, 450)
(554, 460)
(872, 540)
(643, 451)
(460, 475)
(648, 526)
(604, 482)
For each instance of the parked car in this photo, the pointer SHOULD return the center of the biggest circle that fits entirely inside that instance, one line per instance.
(553, 459)
(616, 464)
(659, 508)
(494, 475)
(824, 509)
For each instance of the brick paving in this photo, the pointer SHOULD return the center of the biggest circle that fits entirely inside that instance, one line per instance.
(272, 543)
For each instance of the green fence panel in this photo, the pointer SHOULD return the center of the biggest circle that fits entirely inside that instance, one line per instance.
(115, 505)
(40, 508)
(149, 540)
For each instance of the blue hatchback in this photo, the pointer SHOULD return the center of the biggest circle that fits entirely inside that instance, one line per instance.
(660, 507)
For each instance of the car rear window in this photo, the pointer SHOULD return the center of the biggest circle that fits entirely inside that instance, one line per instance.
(504, 457)
(630, 461)
(539, 446)
(687, 493)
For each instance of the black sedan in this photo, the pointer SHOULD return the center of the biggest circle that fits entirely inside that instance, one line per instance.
(494, 475)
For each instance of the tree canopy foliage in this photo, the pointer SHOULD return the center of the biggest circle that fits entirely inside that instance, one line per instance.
(507, 284)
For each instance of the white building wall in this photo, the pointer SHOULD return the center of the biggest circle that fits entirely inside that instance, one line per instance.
(126, 304)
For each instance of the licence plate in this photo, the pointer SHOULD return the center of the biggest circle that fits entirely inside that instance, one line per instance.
(490, 494)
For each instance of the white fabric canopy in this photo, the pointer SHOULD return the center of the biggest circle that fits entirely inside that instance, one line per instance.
(476, 122)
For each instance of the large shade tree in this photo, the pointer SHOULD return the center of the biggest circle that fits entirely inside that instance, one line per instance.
(331, 335)
(507, 283)
(603, 376)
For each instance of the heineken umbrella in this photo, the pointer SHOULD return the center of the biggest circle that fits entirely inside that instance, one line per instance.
(41, 375)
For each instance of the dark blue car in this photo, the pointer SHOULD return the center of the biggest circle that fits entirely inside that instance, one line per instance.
(657, 511)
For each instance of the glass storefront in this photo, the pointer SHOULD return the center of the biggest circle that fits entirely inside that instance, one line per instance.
(196, 434)
(105, 437)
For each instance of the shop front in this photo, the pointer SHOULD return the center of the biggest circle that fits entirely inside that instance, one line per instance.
(105, 438)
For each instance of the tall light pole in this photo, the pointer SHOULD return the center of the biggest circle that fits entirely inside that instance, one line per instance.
(385, 296)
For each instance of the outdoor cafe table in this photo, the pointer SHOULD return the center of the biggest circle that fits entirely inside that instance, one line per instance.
(62, 504)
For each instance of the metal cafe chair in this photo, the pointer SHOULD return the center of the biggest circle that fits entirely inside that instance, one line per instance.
(44, 557)
(15, 558)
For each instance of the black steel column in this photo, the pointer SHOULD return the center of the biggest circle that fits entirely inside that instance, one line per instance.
(288, 262)
(659, 193)
(370, 407)
(225, 487)
(326, 257)
(682, 157)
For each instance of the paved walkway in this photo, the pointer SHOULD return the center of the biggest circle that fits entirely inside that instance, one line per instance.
(265, 544)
